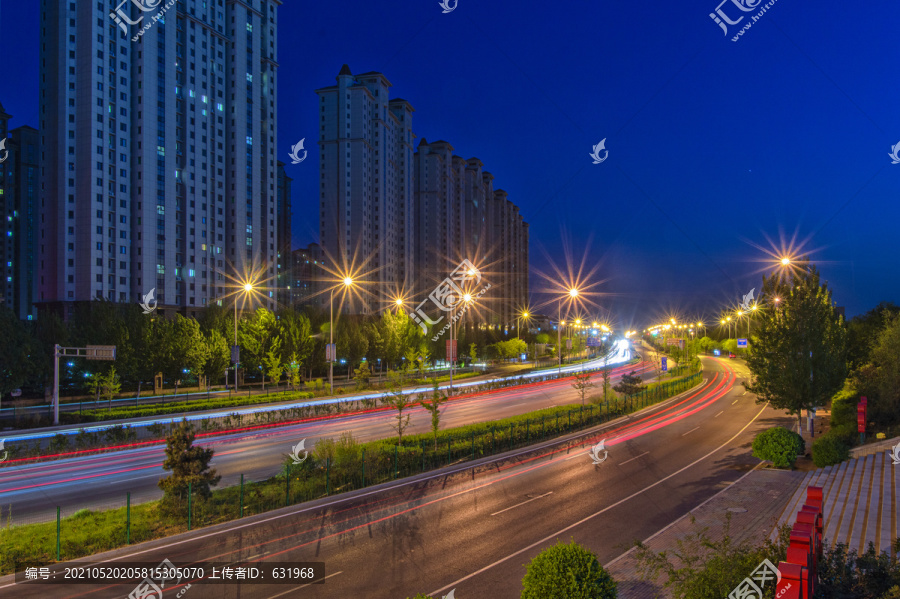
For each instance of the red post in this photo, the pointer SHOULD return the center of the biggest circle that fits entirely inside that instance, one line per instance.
(791, 584)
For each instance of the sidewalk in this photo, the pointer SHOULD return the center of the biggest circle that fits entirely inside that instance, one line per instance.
(755, 501)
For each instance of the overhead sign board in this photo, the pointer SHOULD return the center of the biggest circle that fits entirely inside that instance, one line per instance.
(100, 352)
(742, 343)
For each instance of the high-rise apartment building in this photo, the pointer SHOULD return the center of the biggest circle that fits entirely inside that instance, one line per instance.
(310, 277)
(158, 150)
(284, 269)
(459, 215)
(365, 188)
(19, 188)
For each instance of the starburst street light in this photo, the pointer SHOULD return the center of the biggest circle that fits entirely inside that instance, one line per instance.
(347, 282)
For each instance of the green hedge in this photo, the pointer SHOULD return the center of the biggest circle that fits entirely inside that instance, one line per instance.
(829, 449)
(778, 445)
(178, 407)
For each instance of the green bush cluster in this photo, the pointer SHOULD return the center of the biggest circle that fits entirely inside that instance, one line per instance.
(567, 572)
(778, 445)
(830, 449)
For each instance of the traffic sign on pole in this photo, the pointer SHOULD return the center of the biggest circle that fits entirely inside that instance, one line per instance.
(664, 363)
(451, 350)
(331, 352)
(742, 343)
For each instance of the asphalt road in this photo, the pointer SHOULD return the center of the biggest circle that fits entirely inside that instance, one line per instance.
(34, 490)
(472, 530)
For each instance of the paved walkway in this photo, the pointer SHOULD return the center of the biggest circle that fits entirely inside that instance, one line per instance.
(755, 501)
(861, 497)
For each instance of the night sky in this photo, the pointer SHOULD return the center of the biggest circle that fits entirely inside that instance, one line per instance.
(720, 152)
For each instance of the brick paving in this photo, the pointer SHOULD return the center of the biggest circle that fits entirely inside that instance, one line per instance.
(763, 493)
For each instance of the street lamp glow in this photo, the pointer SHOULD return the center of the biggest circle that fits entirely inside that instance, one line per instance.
(573, 292)
(399, 301)
(471, 272)
(785, 261)
(754, 308)
(524, 314)
(248, 287)
(467, 297)
(348, 281)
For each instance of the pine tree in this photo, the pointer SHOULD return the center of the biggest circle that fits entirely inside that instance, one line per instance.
(189, 465)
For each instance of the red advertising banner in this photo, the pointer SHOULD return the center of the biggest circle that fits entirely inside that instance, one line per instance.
(451, 350)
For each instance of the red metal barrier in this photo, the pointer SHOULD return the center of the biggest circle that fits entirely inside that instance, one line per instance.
(798, 571)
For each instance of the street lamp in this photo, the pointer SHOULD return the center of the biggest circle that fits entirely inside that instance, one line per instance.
(452, 354)
(248, 287)
(347, 282)
(573, 293)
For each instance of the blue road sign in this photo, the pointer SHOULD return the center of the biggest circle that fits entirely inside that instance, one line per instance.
(742, 342)
(665, 364)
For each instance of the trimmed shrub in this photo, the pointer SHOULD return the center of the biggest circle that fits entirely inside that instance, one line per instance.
(567, 572)
(829, 449)
(843, 407)
(778, 445)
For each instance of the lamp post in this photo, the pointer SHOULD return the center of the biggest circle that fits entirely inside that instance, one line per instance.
(248, 287)
(573, 293)
(347, 282)
(452, 353)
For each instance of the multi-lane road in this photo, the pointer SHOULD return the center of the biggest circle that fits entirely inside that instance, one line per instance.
(473, 529)
(35, 489)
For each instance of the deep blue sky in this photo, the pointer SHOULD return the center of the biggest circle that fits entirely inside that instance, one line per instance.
(715, 147)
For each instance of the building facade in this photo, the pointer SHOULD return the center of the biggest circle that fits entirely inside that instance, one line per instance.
(310, 277)
(365, 187)
(19, 188)
(284, 269)
(158, 151)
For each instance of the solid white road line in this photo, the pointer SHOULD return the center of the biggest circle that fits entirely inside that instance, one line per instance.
(634, 458)
(523, 503)
(690, 431)
(303, 585)
(719, 414)
(556, 534)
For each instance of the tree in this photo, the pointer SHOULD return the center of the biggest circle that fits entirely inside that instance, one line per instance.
(606, 374)
(421, 359)
(257, 335)
(778, 445)
(799, 355)
(567, 572)
(862, 331)
(295, 332)
(293, 371)
(400, 402)
(473, 353)
(884, 372)
(273, 364)
(438, 397)
(110, 385)
(351, 342)
(189, 466)
(630, 384)
(218, 356)
(362, 375)
(177, 345)
(582, 383)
